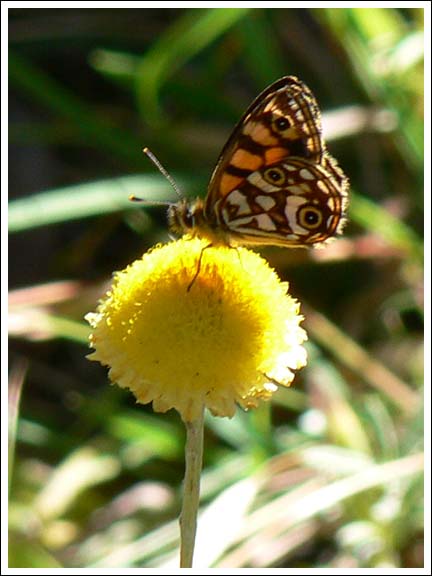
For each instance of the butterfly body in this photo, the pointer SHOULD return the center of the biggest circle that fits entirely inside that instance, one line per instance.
(275, 183)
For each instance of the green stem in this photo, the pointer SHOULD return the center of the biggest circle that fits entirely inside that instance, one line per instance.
(191, 489)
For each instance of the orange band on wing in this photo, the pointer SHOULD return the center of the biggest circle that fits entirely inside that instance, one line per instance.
(228, 183)
(275, 155)
(246, 160)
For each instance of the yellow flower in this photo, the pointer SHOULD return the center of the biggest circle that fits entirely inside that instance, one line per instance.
(228, 338)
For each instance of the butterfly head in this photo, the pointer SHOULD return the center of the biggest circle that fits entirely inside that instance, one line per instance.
(184, 216)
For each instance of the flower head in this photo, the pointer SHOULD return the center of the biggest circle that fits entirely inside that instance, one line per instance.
(190, 324)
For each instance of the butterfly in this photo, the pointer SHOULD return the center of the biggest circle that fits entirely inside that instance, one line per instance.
(274, 183)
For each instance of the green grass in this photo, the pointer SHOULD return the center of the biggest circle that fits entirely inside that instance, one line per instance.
(330, 473)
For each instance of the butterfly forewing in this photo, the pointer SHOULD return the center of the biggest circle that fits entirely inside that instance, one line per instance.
(275, 182)
(283, 121)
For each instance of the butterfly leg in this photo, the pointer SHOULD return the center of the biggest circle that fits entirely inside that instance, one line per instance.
(198, 267)
(236, 248)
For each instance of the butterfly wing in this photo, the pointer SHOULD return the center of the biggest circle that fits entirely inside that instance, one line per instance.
(275, 183)
(282, 121)
(294, 202)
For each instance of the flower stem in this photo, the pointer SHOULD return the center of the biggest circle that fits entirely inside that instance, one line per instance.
(191, 489)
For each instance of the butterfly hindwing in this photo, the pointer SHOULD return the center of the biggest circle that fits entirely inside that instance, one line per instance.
(293, 202)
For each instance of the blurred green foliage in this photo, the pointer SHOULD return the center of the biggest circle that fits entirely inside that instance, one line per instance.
(328, 475)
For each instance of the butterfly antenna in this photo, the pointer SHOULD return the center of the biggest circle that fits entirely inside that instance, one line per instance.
(165, 173)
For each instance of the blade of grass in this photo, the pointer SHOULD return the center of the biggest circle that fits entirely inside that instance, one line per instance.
(262, 51)
(85, 200)
(369, 37)
(118, 66)
(188, 36)
(311, 498)
(394, 231)
(38, 324)
(16, 381)
(83, 468)
(350, 354)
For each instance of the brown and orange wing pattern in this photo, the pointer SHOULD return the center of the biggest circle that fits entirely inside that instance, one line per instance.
(282, 121)
(294, 202)
(275, 182)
